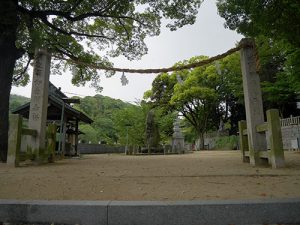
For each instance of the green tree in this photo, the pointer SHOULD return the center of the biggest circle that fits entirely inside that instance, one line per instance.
(131, 121)
(165, 123)
(275, 27)
(113, 27)
(101, 109)
(276, 19)
(89, 135)
(203, 96)
(230, 91)
(279, 71)
(196, 100)
(106, 131)
(161, 92)
(192, 93)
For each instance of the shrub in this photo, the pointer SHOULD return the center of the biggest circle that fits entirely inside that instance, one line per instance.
(227, 142)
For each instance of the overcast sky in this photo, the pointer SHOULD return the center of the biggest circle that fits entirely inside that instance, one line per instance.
(206, 37)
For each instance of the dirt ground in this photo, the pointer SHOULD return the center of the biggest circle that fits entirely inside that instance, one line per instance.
(203, 175)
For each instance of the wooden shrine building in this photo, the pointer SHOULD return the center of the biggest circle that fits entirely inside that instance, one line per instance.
(64, 116)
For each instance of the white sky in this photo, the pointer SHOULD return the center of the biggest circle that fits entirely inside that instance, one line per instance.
(206, 37)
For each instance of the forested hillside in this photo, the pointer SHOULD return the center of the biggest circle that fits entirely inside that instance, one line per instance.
(118, 122)
(102, 110)
(16, 101)
(115, 121)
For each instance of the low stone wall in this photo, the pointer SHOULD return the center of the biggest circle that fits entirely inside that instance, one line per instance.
(289, 136)
(99, 149)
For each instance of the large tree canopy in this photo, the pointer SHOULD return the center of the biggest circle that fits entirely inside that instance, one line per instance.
(77, 29)
(278, 19)
(203, 95)
(276, 29)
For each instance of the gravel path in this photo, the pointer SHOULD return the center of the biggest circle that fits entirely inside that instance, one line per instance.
(202, 175)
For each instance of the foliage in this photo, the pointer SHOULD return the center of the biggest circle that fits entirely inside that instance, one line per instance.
(17, 101)
(101, 109)
(79, 29)
(131, 121)
(161, 92)
(113, 117)
(203, 96)
(275, 27)
(230, 91)
(280, 75)
(165, 124)
(189, 132)
(152, 131)
(89, 135)
(275, 19)
(227, 142)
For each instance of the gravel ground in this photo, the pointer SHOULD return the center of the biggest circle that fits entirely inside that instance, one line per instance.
(206, 175)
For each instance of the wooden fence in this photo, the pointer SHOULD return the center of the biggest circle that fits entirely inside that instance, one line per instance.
(16, 131)
(290, 121)
(274, 156)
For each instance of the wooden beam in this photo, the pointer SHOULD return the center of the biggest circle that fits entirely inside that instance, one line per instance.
(262, 127)
(264, 154)
(31, 132)
(71, 100)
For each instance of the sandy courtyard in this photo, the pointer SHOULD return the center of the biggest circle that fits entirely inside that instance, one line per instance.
(198, 176)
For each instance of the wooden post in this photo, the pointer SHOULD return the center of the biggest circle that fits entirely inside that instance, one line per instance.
(275, 139)
(243, 141)
(14, 139)
(76, 138)
(64, 134)
(51, 138)
(253, 102)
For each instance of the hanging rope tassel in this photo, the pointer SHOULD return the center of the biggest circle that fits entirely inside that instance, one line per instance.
(124, 80)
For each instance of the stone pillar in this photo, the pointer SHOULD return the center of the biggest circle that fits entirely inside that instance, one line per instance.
(177, 139)
(253, 101)
(275, 139)
(39, 101)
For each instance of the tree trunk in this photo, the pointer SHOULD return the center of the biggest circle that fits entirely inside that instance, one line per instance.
(8, 56)
(201, 140)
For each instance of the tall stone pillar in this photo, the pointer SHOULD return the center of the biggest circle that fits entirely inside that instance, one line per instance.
(177, 139)
(253, 101)
(39, 101)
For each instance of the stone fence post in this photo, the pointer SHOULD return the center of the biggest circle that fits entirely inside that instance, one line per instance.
(14, 139)
(276, 156)
(51, 142)
(243, 140)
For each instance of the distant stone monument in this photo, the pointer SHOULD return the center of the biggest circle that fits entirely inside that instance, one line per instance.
(152, 132)
(39, 101)
(177, 139)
